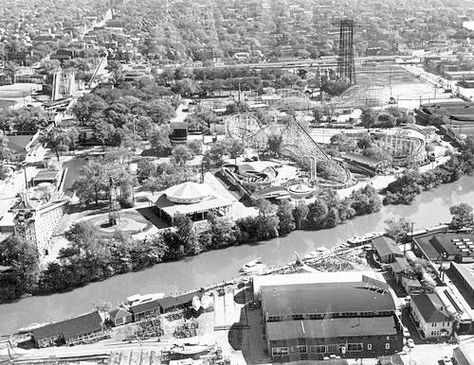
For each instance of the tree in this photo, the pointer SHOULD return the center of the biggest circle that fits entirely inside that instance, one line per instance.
(145, 169)
(368, 117)
(87, 106)
(5, 152)
(462, 216)
(317, 214)
(398, 229)
(60, 139)
(214, 157)
(160, 140)
(185, 87)
(332, 218)
(159, 111)
(116, 74)
(318, 115)
(93, 184)
(235, 149)
(274, 144)
(103, 132)
(365, 142)
(285, 216)
(222, 233)
(23, 259)
(195, 146)
(300, 213)
(181, 154)
(334, 88)
(82, 235)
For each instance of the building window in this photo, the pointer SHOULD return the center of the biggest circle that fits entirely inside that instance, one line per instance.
(387, 346)
(279, 351)
(317, 349)
(369, 346)
(302, 349)
(355, 347)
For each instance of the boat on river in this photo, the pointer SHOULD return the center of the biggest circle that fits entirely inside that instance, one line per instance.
(139, 298)
(253, 266)
(359, 240)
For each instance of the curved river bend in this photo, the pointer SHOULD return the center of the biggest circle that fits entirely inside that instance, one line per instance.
(429, 209)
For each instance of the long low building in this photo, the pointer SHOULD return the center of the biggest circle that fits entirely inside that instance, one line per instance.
(312, 321)
(83, 329)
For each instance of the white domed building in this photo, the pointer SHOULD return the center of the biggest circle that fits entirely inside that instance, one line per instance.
(193, 200)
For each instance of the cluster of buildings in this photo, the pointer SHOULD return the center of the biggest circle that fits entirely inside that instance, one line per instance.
(95, 326)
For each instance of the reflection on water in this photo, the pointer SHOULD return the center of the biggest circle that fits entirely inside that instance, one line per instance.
(429, 209)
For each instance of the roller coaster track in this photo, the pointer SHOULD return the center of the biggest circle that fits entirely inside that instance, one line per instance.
(297, 144)
(100, 67)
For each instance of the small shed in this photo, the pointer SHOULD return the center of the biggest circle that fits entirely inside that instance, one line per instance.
(120, 316)
(386, 249)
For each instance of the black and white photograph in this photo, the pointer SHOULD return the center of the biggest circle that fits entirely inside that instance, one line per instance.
(232, 182)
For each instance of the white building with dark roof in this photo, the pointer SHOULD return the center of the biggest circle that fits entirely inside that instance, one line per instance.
(431, 316)
(193, 200)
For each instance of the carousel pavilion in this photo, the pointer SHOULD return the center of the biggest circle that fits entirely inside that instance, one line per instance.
(193, 200)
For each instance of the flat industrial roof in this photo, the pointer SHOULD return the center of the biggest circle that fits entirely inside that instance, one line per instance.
(331, 327)
(467, 272)
(454, 243)
(259, 282)
(326, 298)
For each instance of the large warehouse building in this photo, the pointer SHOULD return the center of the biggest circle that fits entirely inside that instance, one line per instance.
(315, 320)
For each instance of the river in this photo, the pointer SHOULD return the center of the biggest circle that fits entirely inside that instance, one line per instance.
(429, 209)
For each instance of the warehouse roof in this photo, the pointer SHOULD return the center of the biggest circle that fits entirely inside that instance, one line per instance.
(88, 323)
(386, 246)
(331, 327)
(326, 298)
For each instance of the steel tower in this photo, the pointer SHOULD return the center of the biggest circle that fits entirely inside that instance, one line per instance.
(345, 62)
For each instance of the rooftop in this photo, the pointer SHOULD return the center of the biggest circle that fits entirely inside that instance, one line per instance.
(326, 298)
(188, 192)
(333, 327)
(431, 307)
(467, 272)
(400, 265)
(190, 198)
(91, 322)
(454, 244)
(46, 175)
(19, 143)
(386, 246)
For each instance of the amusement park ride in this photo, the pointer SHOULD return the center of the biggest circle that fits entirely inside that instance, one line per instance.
(296, 144)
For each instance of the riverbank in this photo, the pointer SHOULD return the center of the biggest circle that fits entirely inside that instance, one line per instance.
(430, 208)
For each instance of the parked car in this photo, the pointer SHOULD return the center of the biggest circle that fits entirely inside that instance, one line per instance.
(447, 360)
(411, 343)
(406, 333)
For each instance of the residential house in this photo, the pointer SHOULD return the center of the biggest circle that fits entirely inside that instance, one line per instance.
(431, 316)
(120, 316)
(400, 268)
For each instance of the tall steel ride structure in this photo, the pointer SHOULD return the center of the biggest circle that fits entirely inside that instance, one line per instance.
(345, 63)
